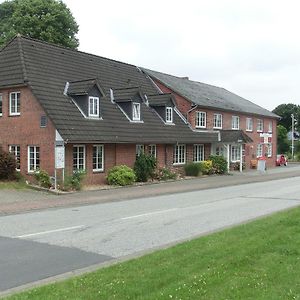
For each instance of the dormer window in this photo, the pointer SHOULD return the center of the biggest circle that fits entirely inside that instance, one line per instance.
(136, 111)
(94, 107)
(169, 115)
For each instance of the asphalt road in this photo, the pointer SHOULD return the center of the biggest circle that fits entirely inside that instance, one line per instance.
(42, 244)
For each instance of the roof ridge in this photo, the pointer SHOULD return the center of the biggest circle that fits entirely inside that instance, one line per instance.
(18, 37)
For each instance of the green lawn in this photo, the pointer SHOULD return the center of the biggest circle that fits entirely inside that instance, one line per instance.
(13, 185)
(259, 260)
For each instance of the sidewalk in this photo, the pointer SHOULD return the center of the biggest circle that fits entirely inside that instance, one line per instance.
(13, 201)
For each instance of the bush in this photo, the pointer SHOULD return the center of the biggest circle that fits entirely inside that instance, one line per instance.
(121, 175)
(144, 167)
(219, 164)
(192, 169)
(43, 178)
(206, 167)
(7, 166)
(165, 174)
(74, 182)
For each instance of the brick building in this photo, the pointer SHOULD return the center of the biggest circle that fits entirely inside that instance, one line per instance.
(96, 113)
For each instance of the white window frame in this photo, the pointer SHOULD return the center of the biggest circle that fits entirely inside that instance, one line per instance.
(94, 107)
(235, 154)
(200, 119)
(139, 149)
(98, 161)
(269, 150)
(179, 155)
(218, 121)
(78, 158)
(249, 124)
(36, 158)
(270, 129)
(1, 105)
(169, 114)
(235, 122)
(198, 152)
(219, 151)
(136, 111)
(260, 125)
(16, 151)
(259, 150)
(14, 97)
(152, 150)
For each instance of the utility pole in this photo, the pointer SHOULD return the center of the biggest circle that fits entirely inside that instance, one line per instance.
(293, 129)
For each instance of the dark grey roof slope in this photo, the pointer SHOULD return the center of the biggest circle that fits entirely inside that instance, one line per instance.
(82, 87)
(160, 99)
(237, 136)
(208, 95)
(46, 68)
(125, 94)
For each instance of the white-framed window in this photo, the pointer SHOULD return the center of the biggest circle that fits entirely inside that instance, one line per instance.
(139, 149)
(1, 105)
(98, 158)
(33, 158)
(14, 103)
(201, 119)
(270, 128)
(218, 121)
(260, 125)
(249, 124)
(269, 149)
(93, 107)
(235, 122)
(136, 111)
(169, 114)
(259, 150)
(152, 150)
(219, 151)
(78, 157)
(198, 153)
(235, 153)
(15, 150)
(179, 154)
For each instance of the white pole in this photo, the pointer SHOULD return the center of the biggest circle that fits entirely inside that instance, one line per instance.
(241, 158)
(228, 157)
(293, 121)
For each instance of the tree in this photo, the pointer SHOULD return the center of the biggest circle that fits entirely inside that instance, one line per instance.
(47, 20)
(283, 145)
(285, 111)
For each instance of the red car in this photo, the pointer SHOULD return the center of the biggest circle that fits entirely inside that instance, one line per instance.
(281, 160)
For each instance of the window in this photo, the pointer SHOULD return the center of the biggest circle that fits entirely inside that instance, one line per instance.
(169, 114)
(201, 119)
(79, 158)
(235, 153)
(270, 129)
(33, 158)
(0, 105)
(43, 122)
(218, 121)
(249, 124)
(136, 111)
(198, 153)
(14, 103)
(259, 150)
(269, 150)
(179, 154)
(15, 150)
(98, 155)
(139, 149)
(260, 125)
(152, 150)
(235, 124)
(219, 151)
(93, 107)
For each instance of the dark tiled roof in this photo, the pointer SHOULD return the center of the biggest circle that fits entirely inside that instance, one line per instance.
(160, 99)
(46, 68)
(82, 87)
(125, 94)
(234, 136)
(208, 95)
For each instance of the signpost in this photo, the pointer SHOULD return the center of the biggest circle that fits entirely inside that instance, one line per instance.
(59, 161)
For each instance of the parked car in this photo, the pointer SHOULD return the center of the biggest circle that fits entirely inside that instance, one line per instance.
(281, 160)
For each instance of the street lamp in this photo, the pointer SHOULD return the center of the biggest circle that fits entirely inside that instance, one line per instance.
(294, 122)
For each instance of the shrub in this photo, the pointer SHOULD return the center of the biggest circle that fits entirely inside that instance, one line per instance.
(219, 164)
(43, 178)
(144, 167)
(7, 166)
(206, 167)
(192, 169)
(121, 175)
(165, 174)
(74, 182)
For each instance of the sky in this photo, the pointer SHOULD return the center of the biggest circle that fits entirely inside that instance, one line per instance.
(251, 48)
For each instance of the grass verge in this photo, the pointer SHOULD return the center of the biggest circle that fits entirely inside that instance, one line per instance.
(259, 260)
(13, 185)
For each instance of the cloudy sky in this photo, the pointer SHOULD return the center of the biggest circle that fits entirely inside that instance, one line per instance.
(251, 48)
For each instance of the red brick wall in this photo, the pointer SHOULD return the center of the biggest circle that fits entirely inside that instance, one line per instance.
(24, 130)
